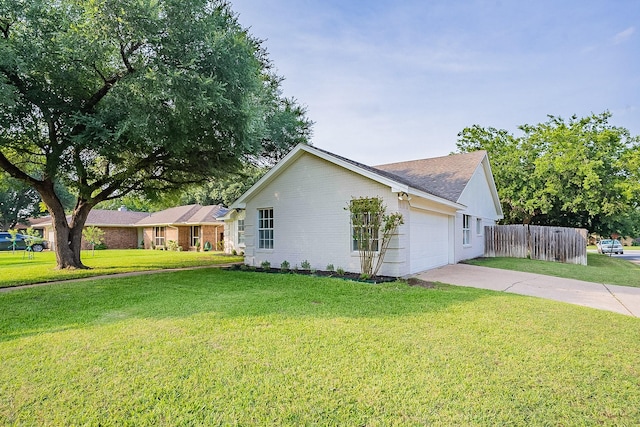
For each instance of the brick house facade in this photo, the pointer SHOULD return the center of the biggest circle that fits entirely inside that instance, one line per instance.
(124, 229)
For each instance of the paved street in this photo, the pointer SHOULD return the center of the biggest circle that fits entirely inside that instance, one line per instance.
(632, 255)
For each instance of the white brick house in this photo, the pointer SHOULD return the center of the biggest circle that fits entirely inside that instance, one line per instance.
(297, 211)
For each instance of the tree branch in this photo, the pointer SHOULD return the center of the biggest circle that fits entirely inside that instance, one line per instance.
(16, 172)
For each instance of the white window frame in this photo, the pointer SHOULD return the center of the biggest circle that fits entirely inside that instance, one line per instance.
(466, 230)
(265, 228)
(159, 235)
(479, 227)
(241, 241)
(370, 230)
(195, 238)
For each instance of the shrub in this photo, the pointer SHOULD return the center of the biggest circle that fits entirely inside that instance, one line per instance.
(340, 271)
(305, 265)
(265, 264)
(330, 267)
(172, 245)
(284, 266)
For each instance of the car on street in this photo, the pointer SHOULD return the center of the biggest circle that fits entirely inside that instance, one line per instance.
(610, 246)
(21, 243)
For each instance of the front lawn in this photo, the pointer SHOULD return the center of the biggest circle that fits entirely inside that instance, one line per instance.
(599, 269)
(212, 347)
(16, 269)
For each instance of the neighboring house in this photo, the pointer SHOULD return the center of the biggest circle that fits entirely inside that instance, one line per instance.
(299, 211)
(192, 226)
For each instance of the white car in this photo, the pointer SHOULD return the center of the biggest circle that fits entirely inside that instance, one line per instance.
(609, 246)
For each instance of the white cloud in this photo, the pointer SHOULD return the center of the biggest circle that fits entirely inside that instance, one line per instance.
(623, 36)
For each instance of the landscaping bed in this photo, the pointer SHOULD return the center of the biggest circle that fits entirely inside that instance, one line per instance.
(318, 273)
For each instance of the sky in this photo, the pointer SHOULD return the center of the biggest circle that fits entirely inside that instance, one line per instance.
(388, 81)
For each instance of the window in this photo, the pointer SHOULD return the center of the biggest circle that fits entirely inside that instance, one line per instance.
(479, 227)
(241, 232)
(195, 235)
(466, 229)
(265, 228)
(158, 235)
(365, 233)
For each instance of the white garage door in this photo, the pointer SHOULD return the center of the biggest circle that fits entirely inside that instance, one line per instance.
(429, 240)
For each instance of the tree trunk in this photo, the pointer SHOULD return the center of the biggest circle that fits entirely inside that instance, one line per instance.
(68, 235)
(68, 241)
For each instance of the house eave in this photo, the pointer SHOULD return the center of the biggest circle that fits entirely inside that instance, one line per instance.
(298, 151)
(436, 199)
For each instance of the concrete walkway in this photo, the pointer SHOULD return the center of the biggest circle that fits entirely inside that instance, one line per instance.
(619, 299)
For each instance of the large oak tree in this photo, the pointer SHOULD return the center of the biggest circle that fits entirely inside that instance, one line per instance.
(583, 172)
(106, 97)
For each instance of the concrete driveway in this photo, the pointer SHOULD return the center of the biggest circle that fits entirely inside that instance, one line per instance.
(619, 299)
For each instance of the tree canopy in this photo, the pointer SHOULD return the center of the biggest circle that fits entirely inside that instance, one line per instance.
(582, 172)
(18, 202)
(112, 96)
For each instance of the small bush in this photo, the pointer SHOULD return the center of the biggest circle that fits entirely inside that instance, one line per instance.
(234, 253)
(305, 265)
(340, 271)
(100, 246)
(265, 264)
(284, 266)
(172, 245)
(330, 267)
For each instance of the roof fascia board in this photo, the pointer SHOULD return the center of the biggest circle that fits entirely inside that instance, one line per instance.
(436, 199)
(298, 151)
(241, 203)
(492, 184)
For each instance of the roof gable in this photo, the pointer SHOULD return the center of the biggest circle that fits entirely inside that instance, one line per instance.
(395, 182)
(446, 176)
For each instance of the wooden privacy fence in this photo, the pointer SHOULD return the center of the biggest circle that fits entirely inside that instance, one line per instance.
(561, 244)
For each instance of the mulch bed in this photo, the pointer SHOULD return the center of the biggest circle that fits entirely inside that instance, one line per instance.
(318, 273)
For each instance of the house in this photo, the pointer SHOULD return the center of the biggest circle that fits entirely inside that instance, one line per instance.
(118, 226)
(299, 211)
(191, 226)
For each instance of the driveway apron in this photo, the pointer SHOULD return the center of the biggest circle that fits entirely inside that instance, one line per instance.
(619, 299)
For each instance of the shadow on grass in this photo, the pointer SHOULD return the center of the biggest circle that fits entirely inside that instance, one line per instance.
(225, 293)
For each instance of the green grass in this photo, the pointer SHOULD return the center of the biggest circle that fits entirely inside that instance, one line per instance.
(599, 269)
(15, 269)
(211, 347)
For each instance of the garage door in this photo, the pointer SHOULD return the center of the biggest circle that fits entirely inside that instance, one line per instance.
(429, 240)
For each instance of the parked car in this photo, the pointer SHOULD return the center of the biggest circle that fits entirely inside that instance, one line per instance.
(21, 242)
(610, 246)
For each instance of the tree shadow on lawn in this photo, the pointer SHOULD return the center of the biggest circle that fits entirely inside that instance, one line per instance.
(227, 294)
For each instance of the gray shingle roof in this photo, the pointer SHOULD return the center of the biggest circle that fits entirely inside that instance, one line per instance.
(106, 217)
(189, 214)
(444, 177)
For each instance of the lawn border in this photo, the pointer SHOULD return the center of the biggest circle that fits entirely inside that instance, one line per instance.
(116, 276)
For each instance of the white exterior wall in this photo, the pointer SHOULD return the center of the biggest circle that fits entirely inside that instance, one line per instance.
(231, 234)
(310, 219)
(478, 198)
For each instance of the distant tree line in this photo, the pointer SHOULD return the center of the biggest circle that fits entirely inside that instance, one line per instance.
(581, 172)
